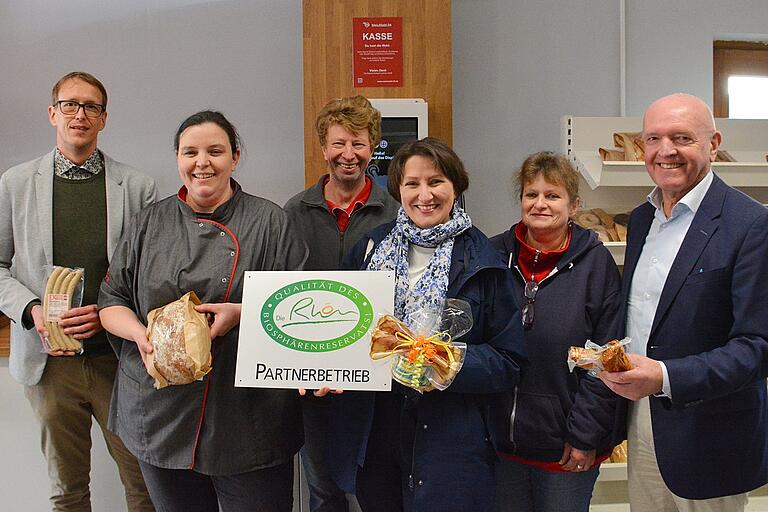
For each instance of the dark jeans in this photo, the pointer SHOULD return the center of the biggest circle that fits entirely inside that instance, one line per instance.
(185, 490)
(324, 494)
(526, 488)
(382, 481)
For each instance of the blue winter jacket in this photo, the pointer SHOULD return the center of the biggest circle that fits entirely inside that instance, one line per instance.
(452, 442)
(578, 301)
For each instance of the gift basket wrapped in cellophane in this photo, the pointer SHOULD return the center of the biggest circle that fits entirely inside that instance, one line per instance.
(425, 355)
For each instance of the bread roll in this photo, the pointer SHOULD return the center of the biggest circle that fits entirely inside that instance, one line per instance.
(621, 218)
(724, 156)
(586, 219)
(602, 233)
(605, 219)
(632, 144)
(621, 232)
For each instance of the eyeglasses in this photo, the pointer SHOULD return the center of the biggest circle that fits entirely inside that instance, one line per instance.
(70, 108)
(531, 287)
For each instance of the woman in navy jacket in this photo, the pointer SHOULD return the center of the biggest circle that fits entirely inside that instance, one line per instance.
(559, 425)
(402, 450)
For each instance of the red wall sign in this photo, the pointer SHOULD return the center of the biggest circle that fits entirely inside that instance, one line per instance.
(378, 52)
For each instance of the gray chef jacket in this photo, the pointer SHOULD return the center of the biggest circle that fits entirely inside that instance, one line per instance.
(209, 426)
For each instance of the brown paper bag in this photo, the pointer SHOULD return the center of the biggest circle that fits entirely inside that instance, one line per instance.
(610, 155)
(632, 144)
(181, 341)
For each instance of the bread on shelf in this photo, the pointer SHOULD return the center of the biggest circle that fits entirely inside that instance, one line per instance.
(609, 228)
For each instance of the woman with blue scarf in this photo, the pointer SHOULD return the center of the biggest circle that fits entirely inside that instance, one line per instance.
(402, 450)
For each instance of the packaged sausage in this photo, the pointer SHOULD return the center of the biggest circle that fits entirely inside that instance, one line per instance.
(181, 342)
(63, 291)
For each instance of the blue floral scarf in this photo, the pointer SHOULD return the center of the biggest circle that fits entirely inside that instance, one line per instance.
(392, 254)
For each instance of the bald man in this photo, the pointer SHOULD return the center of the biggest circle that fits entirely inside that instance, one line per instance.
(696, 309)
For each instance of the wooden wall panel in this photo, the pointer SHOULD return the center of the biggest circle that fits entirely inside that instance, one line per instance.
(735, 58)
(328, 62)
(5, 336)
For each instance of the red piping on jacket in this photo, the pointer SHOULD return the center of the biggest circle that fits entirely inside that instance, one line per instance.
(226, 297)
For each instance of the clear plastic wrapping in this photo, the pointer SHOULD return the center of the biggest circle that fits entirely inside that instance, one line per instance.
(63, 291)
(593, 357)
(424, 354)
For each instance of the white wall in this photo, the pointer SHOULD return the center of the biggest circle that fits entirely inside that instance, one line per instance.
(669, 44)
(23, 475)
(517, 67)
(160, 62)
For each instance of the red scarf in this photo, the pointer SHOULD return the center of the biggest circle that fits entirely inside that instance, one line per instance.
(537, 265)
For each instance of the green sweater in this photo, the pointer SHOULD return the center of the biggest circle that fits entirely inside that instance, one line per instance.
(80, 238)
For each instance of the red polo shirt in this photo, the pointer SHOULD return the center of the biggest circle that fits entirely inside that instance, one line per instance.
(343, 214)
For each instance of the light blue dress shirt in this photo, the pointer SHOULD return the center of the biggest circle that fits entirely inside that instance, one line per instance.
(659, 252)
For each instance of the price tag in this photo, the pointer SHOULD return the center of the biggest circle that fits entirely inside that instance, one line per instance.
(57, 304)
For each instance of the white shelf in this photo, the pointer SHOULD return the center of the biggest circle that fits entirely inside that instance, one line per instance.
(613, 472)
(745, 139)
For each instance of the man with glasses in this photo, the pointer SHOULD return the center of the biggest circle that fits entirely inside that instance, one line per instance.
(696, 290)
(68, 208)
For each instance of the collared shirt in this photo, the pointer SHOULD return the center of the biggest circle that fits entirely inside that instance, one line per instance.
(343, 214)
(660, 249)
(65, 168)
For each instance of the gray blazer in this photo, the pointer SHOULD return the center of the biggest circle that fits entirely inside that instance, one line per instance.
(26, 243)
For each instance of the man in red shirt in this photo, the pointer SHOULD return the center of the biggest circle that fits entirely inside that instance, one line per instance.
(332, 216)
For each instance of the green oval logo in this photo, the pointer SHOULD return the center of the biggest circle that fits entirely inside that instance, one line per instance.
(316, 315)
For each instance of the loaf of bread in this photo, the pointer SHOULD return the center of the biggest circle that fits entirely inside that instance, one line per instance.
(609, 228)
(181, 343)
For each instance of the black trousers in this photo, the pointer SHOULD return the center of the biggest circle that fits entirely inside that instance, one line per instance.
(382, 482)
(185, 490)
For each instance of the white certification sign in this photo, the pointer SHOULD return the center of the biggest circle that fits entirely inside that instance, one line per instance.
(313, 329)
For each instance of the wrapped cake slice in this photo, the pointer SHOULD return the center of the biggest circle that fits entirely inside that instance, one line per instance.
(610, 357)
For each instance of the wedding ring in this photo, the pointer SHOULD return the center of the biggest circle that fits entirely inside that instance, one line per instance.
(579, 466)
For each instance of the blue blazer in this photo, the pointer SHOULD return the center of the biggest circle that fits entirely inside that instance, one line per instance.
(711, 331)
